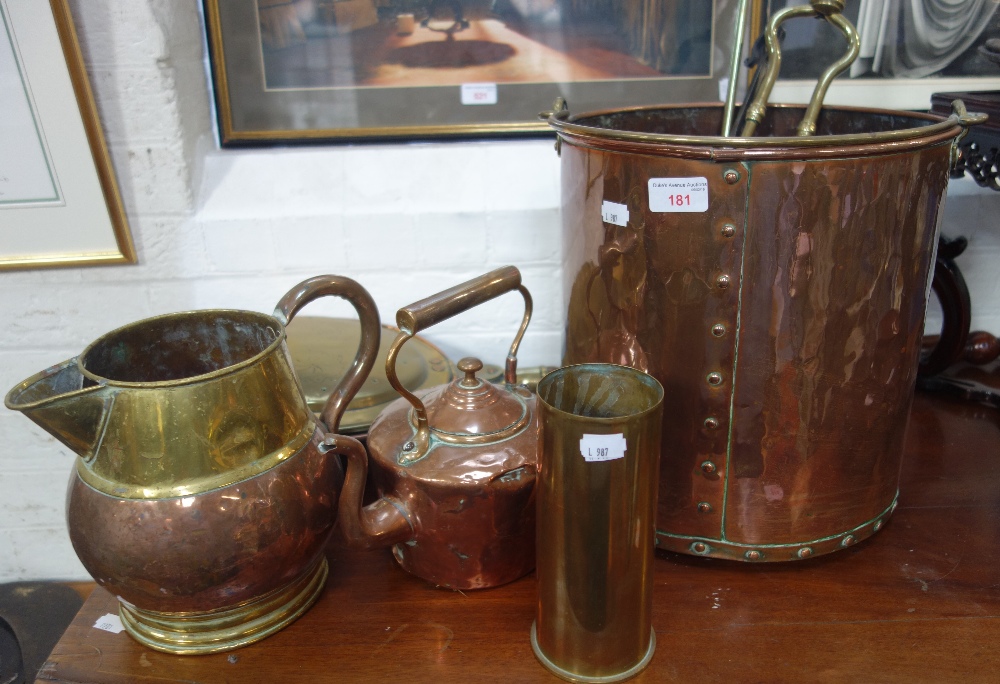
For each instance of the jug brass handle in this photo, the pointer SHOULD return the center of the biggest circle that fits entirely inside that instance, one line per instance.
(440, 307)
(829, 10)
(371, 331)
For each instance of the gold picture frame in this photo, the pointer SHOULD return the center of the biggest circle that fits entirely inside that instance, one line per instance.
(59, 199)
(390, 70)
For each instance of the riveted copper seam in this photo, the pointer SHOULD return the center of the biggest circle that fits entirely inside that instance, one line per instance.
(736, 360)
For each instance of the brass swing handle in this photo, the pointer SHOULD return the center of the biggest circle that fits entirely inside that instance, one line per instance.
(829, 10)
(421, 315)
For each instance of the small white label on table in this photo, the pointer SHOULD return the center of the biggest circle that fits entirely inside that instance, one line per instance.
(602, 447)
(110, 623)
(678, 194)
(479, 93)
(615, 213)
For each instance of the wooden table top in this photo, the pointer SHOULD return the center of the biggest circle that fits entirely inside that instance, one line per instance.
(918, 602)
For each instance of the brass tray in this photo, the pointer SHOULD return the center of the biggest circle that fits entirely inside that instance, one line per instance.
(321, 348)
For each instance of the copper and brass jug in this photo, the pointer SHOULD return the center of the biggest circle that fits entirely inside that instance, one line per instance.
(455, 466)
(203, 495)
(775, 284)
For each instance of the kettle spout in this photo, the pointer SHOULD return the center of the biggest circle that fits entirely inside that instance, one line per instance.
(382, 523)
(66, 404)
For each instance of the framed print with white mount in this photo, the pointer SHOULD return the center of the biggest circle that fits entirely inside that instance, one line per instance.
(59, 200)
(909, 51)
(349, 70)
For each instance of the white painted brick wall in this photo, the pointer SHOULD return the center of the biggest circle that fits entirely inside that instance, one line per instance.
(238, 228)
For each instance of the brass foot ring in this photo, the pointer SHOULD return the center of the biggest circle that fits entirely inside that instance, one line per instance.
(226, 628)
(592, 679)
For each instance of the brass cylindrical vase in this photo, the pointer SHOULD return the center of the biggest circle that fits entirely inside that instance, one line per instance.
(596, 491)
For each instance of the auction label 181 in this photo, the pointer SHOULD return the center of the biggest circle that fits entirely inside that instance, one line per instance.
(678, 194)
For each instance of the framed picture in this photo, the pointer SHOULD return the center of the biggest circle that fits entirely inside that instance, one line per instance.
(909, 50)
(345, 70)
(59, 202)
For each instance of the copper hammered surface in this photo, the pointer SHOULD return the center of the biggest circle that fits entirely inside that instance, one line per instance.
(219, 548)
(784, 323)
(472, 507)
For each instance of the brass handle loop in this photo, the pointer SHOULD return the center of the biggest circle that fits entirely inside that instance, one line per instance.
(966, 120)
(829, 10)
(440, 307)
(965, 117)
(371, 331)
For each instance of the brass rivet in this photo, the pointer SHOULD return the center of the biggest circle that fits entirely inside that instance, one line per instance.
(707, 467)
(718, 330)
(847, 541)
(714, 379)
(722, 281)
(877, 526)
(704, 507)
(731, 176)
(700, 548)
(805, 552)
(728, 230)
(711, 422)
(752, 555)
(408, 446)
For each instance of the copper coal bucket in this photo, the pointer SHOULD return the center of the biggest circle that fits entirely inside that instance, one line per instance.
(775, 286)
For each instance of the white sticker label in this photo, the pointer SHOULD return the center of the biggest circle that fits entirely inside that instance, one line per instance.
(723, 88)
(602, 447)
(614, 213)
(678, 194)
(110, 623)
(479, 93)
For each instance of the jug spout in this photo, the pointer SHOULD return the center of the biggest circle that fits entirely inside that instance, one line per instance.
(66, 404)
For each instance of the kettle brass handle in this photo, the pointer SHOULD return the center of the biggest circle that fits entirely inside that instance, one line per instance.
(440, 307)
(829, 10)
(371, 332)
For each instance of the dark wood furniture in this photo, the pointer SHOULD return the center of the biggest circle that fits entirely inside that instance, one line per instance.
(979, 159)
(980, 148)
(918, 602)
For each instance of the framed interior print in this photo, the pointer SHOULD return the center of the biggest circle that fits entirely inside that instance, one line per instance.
(345, 70)
(909, 50)
(59, 201)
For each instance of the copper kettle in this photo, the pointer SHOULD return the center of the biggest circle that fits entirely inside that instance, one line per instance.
(455, 467)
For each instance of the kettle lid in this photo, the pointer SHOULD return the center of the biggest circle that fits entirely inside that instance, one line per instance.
(470, 410)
